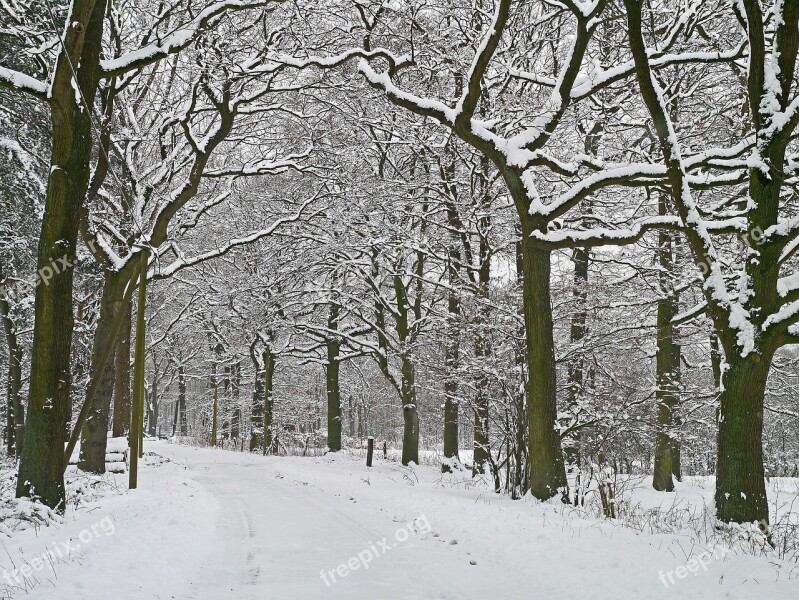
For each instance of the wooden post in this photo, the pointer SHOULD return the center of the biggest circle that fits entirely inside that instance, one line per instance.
(370, 448)
(137, 416)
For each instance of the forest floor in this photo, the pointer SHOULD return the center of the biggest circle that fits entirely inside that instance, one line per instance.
(212, 524)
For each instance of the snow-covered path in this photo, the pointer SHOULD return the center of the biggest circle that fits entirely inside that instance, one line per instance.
(276, 535)
(211, 524)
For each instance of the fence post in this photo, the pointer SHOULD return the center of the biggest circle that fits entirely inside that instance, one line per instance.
(370, 448)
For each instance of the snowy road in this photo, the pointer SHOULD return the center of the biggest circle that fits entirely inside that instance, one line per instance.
(211, 524)
(274, 536)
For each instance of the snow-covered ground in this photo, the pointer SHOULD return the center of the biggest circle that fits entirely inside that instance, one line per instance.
(213, 524)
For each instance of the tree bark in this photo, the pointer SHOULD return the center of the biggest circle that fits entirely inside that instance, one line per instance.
(269, 371)
(15, 424)
(235, 385)
(740, 475)
(175, 417)
(182, 400)
(575, 390)
(452, 344)
(451, 364)
(16, 411)
(667, 366)
(152, 423)
(121, 419)
(137, 411)
(546, 469)
(351, 420)
(482, 351)
(332, 381)
(667, 396)
(576, 365)
(94, 433)
(215, 413)
(410, 413)
(257, 410)
(49, 401)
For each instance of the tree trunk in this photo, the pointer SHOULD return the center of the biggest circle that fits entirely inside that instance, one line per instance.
(521, 472)
(225, 409)
(15, 424)
(576, 365)
(351, 420)
(235, 385)
(452, 348)
(137, 410)
(257, 410)
(175, 416)
(147, 411)
(182, 400)
(94, 435)
(410, 413)
(451, 458)
(215, 414)
(481, 441)
(153, 422)
(667, 367)
(575, 390)
(121, 422)
(332, 380)
(451, 362)
(482, 342)
(49, 400)
(547, 473)
(740, 474)
(269, 371)
(16, 421)
(667, 396)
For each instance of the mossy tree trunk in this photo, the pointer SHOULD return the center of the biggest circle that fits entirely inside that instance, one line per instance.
(15, 416)
(269, 372)
(546, 469)
(410, 412)
(137, 410)
(332, 381)
(452, 372)
(482, 352)
(94, 433)
(257, 408)
(667, 363)
(49, 400)
(152, 421)
(122, 405)
(182, 400)
(740, 476)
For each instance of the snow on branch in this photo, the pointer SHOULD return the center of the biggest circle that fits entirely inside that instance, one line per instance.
(275, 62)
(178, 40)
(595, 237)
(603, 78)
(19, 82)
(472, 90)
(425, 107)
(729, 313)
(266, 167)
(252, 237)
